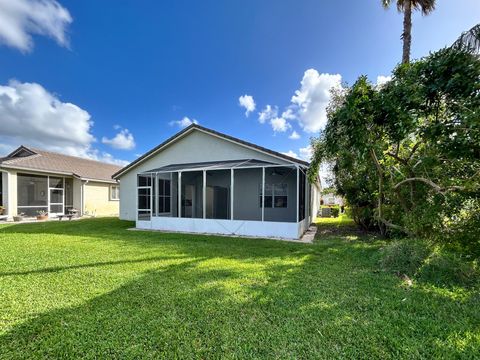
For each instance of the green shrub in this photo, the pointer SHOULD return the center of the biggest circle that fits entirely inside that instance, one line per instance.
(363, 217)
(418, 260)
(448, 269)
(335, 211)
(463, 229)
(404, 256)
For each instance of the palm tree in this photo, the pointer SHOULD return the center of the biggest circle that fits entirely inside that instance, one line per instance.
(469, 40)
(407, 6)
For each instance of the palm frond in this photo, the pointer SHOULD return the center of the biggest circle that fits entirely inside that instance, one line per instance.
(425, 6)
(469, 40)
(386, 3)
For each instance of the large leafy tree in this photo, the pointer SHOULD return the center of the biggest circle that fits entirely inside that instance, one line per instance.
(407, 155)
(407, 7)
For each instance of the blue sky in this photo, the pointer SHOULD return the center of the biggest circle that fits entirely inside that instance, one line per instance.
(111, 79)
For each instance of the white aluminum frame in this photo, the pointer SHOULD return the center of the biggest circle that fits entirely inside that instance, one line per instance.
(204, 194)
(151, 199)
(263, 194)
(232, 187)
(298, 191)
(50, 189)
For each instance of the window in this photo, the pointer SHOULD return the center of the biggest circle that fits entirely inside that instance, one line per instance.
(164, 196)
(280, 195)
(114, 192)
(144, 180)
(276, 195)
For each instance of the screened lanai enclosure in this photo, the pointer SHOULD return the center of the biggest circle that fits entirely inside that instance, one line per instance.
(52, 195)
(242, 197)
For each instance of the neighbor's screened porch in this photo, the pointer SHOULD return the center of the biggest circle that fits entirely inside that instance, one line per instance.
(229, 190)
(52, 195)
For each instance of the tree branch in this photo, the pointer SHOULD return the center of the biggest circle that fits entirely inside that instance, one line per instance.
(434, 186)
(395, 227)
(396, 157)
(414, 149)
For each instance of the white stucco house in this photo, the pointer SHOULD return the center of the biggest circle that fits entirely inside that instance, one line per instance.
(329, 197)
(203, 181)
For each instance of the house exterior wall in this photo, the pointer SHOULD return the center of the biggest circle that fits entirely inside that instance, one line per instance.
(196, 146)
(77, 195)
(97, 199)
(265, 229)
(315, 200)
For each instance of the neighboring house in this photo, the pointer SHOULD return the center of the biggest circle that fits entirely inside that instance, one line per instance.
(34, 180)
(202, 181)
(330, 198)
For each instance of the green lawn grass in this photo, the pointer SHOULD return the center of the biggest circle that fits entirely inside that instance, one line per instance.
(92, 289)
(342, 220)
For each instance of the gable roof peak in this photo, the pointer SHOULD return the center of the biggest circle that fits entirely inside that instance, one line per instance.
(22, 151)
(203, 129)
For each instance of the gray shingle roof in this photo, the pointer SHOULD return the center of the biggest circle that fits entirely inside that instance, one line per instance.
(47, 161)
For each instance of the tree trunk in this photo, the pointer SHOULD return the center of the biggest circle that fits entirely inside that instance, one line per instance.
(407, 31)
(381, 224)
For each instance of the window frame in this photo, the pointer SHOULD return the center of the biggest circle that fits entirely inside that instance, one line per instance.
(270, 193)
(117, 187)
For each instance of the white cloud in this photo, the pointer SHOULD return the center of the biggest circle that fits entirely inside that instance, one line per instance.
(32, 116)
(6, 149)
(382, 80)
(248, 103)
(294, 135)
(183, 123)
(279, 124)
(123, 140)
(20, 19)
(303, 153)
(306, 153)
(291, 154)
(313, 97)
(269, 112)
(107, 158)
(289, 114)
